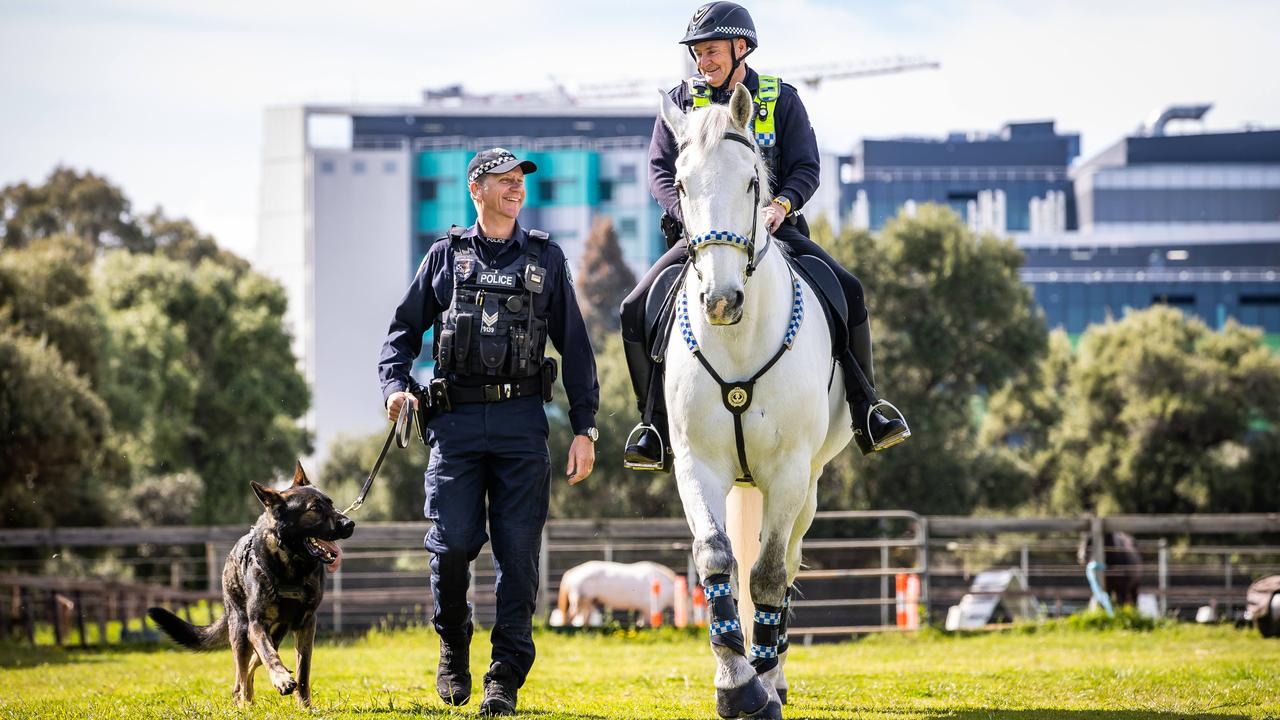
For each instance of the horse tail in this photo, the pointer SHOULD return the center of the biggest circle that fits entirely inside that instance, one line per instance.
(744, 521)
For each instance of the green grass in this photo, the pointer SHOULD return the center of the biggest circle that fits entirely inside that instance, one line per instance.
(1056, 671)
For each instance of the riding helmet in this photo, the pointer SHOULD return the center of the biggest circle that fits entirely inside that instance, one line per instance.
(721, 21)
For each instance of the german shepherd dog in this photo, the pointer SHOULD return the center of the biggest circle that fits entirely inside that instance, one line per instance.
(272, 583)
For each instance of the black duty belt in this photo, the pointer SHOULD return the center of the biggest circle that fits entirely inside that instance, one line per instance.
(530, 386)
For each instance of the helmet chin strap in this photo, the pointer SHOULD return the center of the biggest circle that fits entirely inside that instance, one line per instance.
(737, 61)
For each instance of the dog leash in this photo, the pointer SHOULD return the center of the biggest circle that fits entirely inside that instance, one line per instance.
(400, 431)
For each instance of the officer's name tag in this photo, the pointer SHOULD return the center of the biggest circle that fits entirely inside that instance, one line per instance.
(497, 279)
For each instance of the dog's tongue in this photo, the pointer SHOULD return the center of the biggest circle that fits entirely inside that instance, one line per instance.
(333, 548)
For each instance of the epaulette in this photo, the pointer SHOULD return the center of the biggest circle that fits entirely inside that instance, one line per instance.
(539, 235)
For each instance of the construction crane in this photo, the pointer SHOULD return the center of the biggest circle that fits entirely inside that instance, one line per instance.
(812, 76)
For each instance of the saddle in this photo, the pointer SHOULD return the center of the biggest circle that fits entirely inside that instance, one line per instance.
(659, 309)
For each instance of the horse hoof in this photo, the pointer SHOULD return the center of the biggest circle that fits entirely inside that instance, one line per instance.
(743, 701)
(782, 695)
(772, 711)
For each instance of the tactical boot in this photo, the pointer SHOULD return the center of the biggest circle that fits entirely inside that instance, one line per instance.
(647, 446)
(500, 688)
(453, 676)
(872, 430)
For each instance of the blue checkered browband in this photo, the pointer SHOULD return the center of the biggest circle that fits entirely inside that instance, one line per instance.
(720, 237)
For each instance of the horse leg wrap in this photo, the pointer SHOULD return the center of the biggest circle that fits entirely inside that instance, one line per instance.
(726, 630)
(764, 639)
(782, 627)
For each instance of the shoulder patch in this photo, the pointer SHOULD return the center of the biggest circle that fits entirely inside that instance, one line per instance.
(568, 273)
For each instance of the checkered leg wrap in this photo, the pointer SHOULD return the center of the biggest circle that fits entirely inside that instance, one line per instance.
(764, 637)
(726, 629)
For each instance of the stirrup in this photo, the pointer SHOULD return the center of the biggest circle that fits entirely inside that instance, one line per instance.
(889, 441)
(646, 466)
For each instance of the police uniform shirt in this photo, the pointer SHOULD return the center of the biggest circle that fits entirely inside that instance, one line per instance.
(797, 167)
(432, 290)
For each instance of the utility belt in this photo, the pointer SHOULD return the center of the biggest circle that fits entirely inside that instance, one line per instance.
(441, 395)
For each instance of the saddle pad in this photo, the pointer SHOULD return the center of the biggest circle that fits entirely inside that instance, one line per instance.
(659, 308)
(826, 286)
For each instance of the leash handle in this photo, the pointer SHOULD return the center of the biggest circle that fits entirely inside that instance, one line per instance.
(400, 431)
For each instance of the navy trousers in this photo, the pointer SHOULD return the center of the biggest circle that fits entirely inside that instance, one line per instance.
(489, 462)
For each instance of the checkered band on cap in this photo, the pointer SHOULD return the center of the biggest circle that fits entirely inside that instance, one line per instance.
(504, 156)
(720, 627)
(741, 32)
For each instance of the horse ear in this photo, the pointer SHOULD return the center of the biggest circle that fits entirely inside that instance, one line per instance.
(741, 107)
(673, 116)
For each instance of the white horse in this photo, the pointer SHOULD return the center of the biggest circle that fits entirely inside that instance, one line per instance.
(617, 586)
(743, 313)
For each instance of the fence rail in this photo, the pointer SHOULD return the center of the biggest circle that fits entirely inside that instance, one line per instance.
(96, 576)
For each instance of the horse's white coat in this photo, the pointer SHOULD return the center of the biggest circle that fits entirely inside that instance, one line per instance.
(796, 422)
(619, 586)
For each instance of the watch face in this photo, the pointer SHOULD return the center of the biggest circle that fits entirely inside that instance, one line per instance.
(593, 433)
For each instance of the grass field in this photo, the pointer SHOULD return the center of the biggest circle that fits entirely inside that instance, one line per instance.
(1173, 672)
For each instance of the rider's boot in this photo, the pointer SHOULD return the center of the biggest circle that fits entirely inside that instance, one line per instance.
(648, 447)
(872, 430)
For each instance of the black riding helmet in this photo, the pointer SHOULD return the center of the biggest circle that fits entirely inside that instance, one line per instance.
(722, 21)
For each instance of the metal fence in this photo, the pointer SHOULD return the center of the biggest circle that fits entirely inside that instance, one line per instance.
(109, 575)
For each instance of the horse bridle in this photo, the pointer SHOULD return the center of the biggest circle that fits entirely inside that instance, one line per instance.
(726, 237)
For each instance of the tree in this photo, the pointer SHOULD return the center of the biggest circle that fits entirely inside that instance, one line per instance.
(603, 280)
(950, 318)
(1161, 414)
(52, 428)
(86, 206)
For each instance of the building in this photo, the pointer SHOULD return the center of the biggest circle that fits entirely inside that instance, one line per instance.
(1000, 181)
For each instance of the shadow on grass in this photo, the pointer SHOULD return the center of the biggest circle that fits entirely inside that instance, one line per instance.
(1036, 714)
(16, 657)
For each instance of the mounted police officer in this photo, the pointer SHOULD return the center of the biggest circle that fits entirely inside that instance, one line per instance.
(719, 38)
(494, 293)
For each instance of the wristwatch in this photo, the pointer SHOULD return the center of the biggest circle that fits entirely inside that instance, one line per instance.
(784, 203)
(592, 434)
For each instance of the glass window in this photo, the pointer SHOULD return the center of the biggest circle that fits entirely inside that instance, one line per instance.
(627, 226)
(428, 190)
(357, 167)
(546, 190)
(326, 167)
(606, 191)
(389, 167)
(627, 172)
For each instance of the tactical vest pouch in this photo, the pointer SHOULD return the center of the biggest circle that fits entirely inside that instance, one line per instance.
(447, 341)
(493, 351)
(462, 341)
(549, 372)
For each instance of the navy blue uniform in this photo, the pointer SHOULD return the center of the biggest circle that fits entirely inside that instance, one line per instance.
(795, 166)
(494, 452)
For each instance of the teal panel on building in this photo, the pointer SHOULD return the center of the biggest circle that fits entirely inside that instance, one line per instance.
(564, 177)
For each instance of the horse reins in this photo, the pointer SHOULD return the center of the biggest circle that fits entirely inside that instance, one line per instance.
(737, 396)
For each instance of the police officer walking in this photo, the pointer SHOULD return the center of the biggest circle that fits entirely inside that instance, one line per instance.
(719, 38)
(494, 293)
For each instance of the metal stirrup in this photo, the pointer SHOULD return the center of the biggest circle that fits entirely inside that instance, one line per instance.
(889, 442)
(662, 449)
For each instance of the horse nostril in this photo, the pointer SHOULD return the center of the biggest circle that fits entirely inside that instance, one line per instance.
(738, 297)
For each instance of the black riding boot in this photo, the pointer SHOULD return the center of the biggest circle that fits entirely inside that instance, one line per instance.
(871, 429)
(647, 446)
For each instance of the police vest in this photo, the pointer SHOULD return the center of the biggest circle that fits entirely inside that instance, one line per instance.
(489, 329)
(766, 100)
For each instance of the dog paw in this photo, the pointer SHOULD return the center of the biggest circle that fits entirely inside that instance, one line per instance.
(284, 683)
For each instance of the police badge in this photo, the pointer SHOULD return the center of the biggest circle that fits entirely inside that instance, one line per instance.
(463, 265)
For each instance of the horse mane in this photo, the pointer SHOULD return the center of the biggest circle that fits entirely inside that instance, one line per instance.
(707, 127)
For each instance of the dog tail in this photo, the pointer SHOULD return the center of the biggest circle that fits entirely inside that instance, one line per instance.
(206, 637)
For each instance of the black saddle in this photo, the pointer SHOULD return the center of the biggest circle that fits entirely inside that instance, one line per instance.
(830, 294)
(659, 310)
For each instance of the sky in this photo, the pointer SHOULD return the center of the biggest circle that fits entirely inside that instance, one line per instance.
(167, 99)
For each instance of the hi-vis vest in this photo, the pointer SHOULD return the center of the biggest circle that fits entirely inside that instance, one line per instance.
(766, 98)
(489, 329)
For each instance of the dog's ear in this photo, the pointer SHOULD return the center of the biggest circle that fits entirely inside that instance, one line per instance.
(300, 476)
(270, 498)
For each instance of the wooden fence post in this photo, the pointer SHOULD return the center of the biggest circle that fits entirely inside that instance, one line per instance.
(78, 598)
(55, 616)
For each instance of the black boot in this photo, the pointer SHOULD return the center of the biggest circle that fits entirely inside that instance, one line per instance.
(647, 446)
(500, 689)
(872, 430)
(453, 676)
